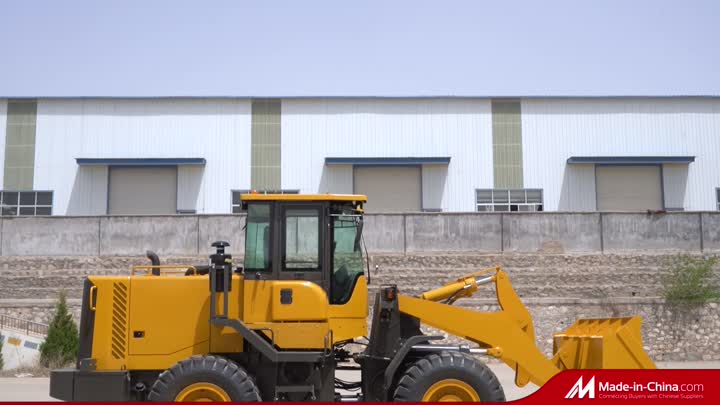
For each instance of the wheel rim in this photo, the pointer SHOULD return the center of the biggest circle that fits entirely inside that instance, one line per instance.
(202, 392)
(451, 390)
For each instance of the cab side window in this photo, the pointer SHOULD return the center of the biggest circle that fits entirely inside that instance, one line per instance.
(258, 244)
(347, 257)
(302, 239)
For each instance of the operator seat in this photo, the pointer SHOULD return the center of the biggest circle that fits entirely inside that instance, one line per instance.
(340, 285)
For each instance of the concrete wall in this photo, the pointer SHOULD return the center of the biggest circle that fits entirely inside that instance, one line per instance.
(452, 233)
(128, 236)
(384, 233)
(710, 231)
(680, 231)
(55, 236)
(119, 235)
(552, 232)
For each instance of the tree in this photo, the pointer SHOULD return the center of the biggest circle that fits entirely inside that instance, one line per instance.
(61, 344)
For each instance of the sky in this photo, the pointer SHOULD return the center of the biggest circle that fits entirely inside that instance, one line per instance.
(271, 48)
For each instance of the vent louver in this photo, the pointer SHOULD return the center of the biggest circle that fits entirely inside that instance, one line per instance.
(119, 321)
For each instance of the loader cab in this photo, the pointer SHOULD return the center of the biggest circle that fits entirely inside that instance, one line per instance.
(317, 238)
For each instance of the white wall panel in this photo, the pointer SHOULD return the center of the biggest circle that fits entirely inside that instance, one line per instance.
(313, 129)
(675, 178)
(189, 186)
(434, 185)
(89, 192)
(577, 189)
(555, 129)
(337, 179)
(215, 129)
(3, 128)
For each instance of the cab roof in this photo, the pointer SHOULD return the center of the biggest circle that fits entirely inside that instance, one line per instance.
(304, 197)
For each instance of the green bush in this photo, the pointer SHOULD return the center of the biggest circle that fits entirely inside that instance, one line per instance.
(61, 345)
(2, 363)
(690, 281)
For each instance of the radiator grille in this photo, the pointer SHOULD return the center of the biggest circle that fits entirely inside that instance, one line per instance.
(119, 321)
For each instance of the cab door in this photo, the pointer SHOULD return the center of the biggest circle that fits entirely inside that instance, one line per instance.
(284, 263)
(301, 237)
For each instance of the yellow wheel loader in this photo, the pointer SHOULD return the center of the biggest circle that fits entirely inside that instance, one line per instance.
(277, 327)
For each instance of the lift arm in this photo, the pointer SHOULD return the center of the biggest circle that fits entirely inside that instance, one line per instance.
(507, 334)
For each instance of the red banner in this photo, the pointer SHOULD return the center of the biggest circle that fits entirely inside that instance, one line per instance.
(616, 386)
(640, 386)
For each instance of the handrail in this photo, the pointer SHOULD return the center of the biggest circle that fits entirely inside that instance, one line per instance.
(165, 269)
(23, 325)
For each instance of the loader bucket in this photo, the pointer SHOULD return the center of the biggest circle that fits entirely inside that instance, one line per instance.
(611, 343)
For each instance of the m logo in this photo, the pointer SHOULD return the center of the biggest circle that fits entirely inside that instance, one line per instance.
(580, 391)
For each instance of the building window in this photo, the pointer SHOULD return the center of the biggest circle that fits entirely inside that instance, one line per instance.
(30, 203)
(508, 200)
(717, 197)
(237, 203)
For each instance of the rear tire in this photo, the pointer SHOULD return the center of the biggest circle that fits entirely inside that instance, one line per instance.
(204, 378)
(448, 376)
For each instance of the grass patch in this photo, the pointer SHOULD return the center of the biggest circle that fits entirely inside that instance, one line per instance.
(691, 281)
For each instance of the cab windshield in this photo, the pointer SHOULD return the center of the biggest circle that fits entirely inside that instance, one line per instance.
(347, 256)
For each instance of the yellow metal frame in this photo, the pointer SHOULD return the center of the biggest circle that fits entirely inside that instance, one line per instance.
(303, 197)
(509, 334)
(164, 269)
(451, 390)
(202, 392)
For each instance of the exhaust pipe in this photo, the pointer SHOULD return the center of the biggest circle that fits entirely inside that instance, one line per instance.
(154, 260)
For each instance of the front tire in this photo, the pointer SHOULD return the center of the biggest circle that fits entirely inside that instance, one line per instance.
(449, 377)
(204, 379)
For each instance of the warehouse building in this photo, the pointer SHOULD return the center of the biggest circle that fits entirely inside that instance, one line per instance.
(98, 156)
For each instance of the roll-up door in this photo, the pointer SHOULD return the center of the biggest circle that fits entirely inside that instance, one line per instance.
(628, 188)
(138, 191)
(389, 189)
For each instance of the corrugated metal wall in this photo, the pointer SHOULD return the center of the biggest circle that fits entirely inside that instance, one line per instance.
(313, 129)
(218, 130)
(555, 129)
(675, 179)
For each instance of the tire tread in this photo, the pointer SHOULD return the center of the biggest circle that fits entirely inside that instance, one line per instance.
(198, 368)
(424, 372)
